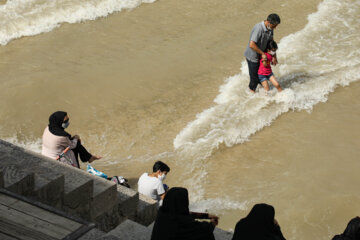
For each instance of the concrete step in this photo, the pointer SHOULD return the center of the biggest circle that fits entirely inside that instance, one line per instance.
(88, 196)
(146, 210)
(77, 189)
(222, 234)
(126, 206)
(71, 192)
(104, 196)
(16, 180)
(92, 234)
(96, 195)
(91, 197)
(129, 230)
(48, 183)
(49, 188)
(128, 201)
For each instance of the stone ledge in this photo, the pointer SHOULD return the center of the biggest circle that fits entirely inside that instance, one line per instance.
(16, 180)
(146, 210)
(92, 234)
(222, 234)
(128, 200)
(129, 230)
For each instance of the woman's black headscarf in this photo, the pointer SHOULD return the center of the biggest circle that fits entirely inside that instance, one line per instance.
(55, 121)
(174, 222)
(258, 225)
(352, 231)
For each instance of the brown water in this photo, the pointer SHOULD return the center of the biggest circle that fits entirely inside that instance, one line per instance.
(132, 81)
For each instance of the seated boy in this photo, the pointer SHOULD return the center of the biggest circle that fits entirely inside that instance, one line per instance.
(151, 184)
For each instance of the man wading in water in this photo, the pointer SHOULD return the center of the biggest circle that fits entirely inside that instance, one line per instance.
(260, 36)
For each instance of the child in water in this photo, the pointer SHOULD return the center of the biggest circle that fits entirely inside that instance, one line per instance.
(265, 73)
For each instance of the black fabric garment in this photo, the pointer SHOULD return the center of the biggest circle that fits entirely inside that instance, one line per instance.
(352, 231)
(55, 121)
(258, 225)
(81, 151)
(174, 222)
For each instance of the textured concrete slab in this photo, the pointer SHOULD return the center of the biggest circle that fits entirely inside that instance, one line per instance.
(22, 220)
(104, 195)
(222, 234)
(146, 210)
(49, 190)
(6, 237)
(36, 212)
(48, 183)
(130, 230)
(16, 180)
(78, 189)
(93, 234)
(128, 200)
(88, 196)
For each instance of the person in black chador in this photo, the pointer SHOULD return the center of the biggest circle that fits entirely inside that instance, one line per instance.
(60, 145)
(175, 222)
(259, 224)
(352, 231)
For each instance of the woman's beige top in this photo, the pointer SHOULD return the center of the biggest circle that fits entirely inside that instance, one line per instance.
(53, 146)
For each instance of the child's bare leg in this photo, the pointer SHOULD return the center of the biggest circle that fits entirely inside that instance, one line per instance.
(275, 83)
(265, 85)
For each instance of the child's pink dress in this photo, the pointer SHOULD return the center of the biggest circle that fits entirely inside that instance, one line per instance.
(265, 70)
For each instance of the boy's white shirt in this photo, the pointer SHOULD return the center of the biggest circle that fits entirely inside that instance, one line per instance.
(151, 187)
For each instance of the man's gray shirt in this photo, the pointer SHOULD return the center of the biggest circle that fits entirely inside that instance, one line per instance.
(261, 36)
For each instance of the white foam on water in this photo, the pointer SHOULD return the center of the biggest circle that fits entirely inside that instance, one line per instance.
(21, 18)
(29, 144)
(313, 62)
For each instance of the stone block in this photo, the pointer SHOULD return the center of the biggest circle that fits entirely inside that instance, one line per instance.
(49, 188)
(78, 200)
(77, 190)
(16, 180)
(146, 210)
(129, 230)
(104, 196)
(92, 234)
(222, 234)
(128, 200)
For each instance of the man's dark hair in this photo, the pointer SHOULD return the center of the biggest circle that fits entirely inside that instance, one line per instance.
(159, 165)
(273, 18)
(272, 45)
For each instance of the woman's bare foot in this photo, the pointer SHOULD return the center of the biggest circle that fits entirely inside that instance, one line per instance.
(93, 158)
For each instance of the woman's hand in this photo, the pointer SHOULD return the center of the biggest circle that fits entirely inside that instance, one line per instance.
(77, 137)
(214, 219)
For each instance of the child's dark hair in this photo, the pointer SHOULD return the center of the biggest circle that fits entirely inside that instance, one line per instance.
(159, 165)
(272, 45)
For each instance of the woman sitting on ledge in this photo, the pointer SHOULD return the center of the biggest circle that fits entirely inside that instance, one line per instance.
(60, 145)
(259, 224)
(175, 222)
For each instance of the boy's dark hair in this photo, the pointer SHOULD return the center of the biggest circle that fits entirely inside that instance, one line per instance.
(272, 45)
(159, 165)
(273, 18)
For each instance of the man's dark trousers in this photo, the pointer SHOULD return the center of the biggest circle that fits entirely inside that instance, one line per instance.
(253, 72)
